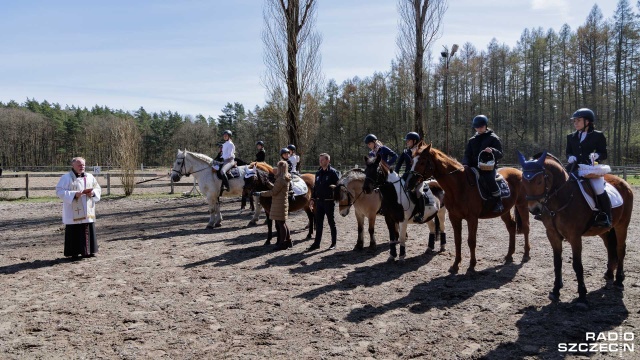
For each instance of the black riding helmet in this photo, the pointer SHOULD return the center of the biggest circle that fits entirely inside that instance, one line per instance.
(261, 143)
(412, 136)
(480, 121)
(227, 132)
(284, 151)
(370, 138)
(584, 113)
(291, 147)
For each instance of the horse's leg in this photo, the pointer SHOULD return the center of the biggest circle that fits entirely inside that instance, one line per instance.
(472, 227)
(576, 250)
(310, 222)
(213, 213)
(612, 256)
(251, 203)
(360, 241)
(555, 239)
(393, 238)
(372, 237)
(432, 235)
(621, 240)
(523, 213)
(457, 239)
(443, 235)
(256, 214)
(511, 229)
(403, 240)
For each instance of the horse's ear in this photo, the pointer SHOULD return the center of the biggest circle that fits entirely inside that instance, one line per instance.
(541, 159)
(521, 158)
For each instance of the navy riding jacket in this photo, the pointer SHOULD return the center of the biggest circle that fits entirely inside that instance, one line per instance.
(593, 142)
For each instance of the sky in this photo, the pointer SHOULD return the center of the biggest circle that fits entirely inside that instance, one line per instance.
(195, 56)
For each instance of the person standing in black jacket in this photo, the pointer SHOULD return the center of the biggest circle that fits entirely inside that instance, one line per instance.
(484, 143)
(584, 145)
(322, 200)
(261, 155)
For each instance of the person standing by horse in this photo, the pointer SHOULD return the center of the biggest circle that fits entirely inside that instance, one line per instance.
(322, 200)
(228, 156)
(376, 148)
(79, 193)
(586, 144)
(294, 158)
(485, 141)
(411, 141)
(280, 204)
(261, 155)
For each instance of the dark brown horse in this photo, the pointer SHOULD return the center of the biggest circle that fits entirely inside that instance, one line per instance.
(556, 196)
(464, 202)
(261, 181)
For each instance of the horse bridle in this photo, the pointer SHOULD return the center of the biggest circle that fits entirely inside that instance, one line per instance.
(183, 168)
(349, 203)
(545, 196)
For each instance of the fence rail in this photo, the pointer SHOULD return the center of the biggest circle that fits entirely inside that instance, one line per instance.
(622, 171)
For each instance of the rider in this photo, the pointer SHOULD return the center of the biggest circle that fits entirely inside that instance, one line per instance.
(261, 155)
(406, 159)
(294, 158)
(485, 141)
(219, 156)
(284, 155)
(377, 148)
(228, 156)
(582, 145)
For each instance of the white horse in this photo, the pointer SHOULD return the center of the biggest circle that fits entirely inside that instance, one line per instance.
(199, 165)
(396, 203)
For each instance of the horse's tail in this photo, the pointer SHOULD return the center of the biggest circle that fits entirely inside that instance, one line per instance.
(518, 219)
(612, 243)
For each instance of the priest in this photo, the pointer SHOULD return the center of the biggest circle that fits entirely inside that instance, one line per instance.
(79, 193)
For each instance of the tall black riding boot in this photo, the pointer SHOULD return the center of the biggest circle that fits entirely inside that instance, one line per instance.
(225, 181)
(603, 219)
(498, 208)
(420, 203)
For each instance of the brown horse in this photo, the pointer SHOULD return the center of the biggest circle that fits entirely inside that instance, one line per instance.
(464, 202)
(556, 196)
(261, 182)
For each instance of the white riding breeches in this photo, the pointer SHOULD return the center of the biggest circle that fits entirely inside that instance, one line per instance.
(598, 185)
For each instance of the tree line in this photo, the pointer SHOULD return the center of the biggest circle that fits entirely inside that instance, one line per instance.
(528, 92)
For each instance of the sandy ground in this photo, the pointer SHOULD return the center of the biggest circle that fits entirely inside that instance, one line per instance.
(164, 287)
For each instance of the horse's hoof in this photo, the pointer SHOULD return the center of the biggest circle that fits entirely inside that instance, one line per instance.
(358, 247)
(443, 248)
(553, 297)
(429, 250)
(402, 259)
(266, 243)
(508, 259)
(618, 285)
(372, 249)
(308, 237)
(453, 270)
(209, 227)
(581, 304)
(391, 259)
(526, 258)
(252, 223)
(217, 225)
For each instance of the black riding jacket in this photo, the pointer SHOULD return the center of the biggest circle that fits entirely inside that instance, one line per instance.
(324, 179)
(261, 155)
(479, 142)
(593, 142)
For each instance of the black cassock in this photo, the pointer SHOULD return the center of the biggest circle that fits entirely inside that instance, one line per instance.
(80, 239)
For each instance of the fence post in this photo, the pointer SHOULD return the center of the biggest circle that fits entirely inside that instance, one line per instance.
(624, 173)
(108, 184)
(26, 184)
(171, 178)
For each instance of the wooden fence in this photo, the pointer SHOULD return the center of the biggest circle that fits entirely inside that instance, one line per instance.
(165, 181)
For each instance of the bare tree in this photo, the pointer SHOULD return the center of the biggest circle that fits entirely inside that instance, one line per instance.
(127, 151)
(419, 27)
(291, 55)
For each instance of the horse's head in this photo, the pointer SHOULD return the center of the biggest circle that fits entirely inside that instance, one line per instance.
(540, 177)
(179, 166)
(373, 174)
(423, 165)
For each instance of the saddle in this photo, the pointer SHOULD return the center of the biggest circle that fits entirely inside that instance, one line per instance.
(587, 193)
(233, 173)
(298, 186)
(485, 194)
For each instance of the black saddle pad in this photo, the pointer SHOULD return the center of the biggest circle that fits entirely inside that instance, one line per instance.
(233, 173)
(485, 194)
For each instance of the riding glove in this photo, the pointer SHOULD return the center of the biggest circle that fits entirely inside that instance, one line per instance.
(572, 159)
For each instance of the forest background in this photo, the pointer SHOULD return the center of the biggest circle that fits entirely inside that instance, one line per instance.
(528, 92)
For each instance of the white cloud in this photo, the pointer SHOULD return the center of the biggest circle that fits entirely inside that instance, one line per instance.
(561, 5)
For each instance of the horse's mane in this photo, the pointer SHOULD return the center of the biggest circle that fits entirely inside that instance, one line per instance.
(199, 156)
(355, 173)
(264, 167)
(437, 154)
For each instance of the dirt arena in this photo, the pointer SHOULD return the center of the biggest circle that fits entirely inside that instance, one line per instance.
(162, 286)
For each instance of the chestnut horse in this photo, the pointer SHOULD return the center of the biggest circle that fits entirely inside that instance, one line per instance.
(464, 202)
(260, 182)
(556, 196)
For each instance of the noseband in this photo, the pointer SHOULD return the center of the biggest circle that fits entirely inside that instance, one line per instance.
(544, 198)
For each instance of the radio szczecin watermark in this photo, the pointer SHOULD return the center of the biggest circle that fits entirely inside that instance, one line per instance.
(602, 342)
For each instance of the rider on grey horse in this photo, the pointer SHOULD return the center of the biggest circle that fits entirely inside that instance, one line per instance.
(412, 139)
(228, 156)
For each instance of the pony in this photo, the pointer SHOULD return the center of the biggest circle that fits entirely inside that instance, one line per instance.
(261, 181)
(555, 196)
(396, 203)
(465, 203)
(349, 192)
(199, 165)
